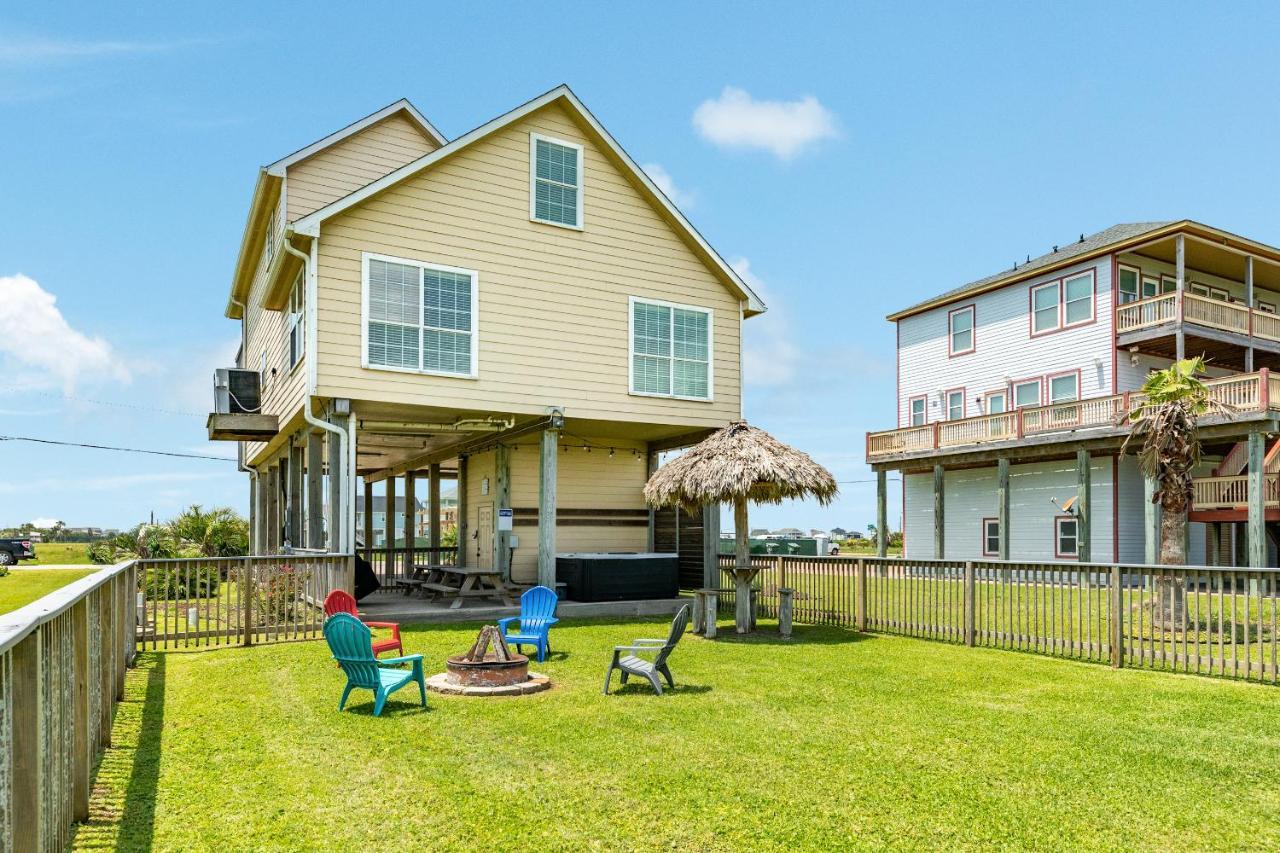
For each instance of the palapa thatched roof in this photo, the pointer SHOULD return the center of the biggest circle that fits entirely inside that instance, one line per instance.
(739, 461)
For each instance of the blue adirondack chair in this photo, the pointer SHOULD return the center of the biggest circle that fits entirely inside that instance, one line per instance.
(537, 615)
(351, 643)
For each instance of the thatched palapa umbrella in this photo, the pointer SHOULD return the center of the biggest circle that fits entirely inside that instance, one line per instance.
(739, 463)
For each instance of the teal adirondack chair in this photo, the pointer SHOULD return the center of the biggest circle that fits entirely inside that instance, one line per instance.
(352, 646)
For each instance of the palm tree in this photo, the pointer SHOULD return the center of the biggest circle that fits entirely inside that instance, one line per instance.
(1170, 403)
(218, 532)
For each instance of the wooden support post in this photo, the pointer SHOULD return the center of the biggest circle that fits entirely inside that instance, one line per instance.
(315, 490)
(651, 468)
(785, 596)
(271, 535)
(547, 507)
(336, 519)
(699, 610)
(882, 514)
(939, 512)
(712, 613)
(28, 780)
(255, 515)
(1213, 535)
(860, 593)
(83, 752)
(368, 520)
(247, 586)
(410, 522)
(297, 538)
(710, 545)
(1151, 521)
(433, 511)
(463, 529)
(1116, 619)
(1084, 500)
(501, 501)
(1180, 269)
(1257, 517)
(389, 523)
(1002, 507)
(968, 603)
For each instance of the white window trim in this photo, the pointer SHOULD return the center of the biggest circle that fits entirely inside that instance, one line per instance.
(365, 258)
(1048, 387)
(1057, 307)
(924, 410)
(1038, 382)
(972, 311)
(1057, 538)
(295, 319)
(631, 350)
(986, 402)
(987, 523)
(533, 180)
(1092, 297)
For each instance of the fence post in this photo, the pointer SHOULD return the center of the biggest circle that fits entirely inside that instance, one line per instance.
(711, 613)
(968, 603)
(860, 595)
(1116, 622)
(780, 571)
(246, 582)
(784, 611)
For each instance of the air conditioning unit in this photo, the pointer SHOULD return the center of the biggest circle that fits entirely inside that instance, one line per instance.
(236, 391)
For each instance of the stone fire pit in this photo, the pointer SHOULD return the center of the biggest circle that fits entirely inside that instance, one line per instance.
(484, 672)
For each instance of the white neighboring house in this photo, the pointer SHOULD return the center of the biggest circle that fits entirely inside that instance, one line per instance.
(1019, 379)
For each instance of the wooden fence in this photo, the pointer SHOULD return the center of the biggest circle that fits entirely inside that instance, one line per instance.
(62, 666)
(1197, 619)
(203, 602)
(388, 563)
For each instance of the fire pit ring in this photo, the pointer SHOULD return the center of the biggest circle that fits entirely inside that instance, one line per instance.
(481, 672)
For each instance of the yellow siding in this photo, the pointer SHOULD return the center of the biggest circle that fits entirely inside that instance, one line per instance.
(348, 165)
(553, 307)
(583, 481)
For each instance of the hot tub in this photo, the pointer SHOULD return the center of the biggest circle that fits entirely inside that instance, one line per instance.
(618, 577)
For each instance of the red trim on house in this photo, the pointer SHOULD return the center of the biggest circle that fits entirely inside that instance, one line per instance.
(985, 552)
(925, 411)
(1057, 520)
(972, 308)
(946, 402)
(1061, 283)
(1013, 388)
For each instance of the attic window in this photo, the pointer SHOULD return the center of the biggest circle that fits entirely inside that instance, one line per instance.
(555, 181)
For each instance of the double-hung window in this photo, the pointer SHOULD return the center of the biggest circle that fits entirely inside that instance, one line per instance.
(670, 350)
(1026, 394)
(1150, 286)
(555, 181)
(419, 316)
(1064, 387)
(1077, 299)
(1129, 285)
(997, 402)
(960, 330)
(955, 405)
(990, 537)
(918, 415)
(296, 322)
(1045, 302)
(1066, 537)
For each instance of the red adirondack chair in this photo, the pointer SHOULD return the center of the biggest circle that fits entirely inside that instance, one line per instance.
(340, 601)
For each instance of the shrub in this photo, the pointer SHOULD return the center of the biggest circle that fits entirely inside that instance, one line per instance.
(276, 594)
(174, 582)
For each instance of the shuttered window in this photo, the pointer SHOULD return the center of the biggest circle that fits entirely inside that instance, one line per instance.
(670, 350)
(556, 191)
(420, 317)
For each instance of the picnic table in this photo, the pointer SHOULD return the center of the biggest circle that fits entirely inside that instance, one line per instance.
(461, 582)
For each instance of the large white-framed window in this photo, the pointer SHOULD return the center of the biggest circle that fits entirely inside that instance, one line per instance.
(1066, 542)
(1064, 387)
(1077, 299)
(671, 348)
(555, 181)
(955, 404)
(420, 317)
(296, 321)
(1045, 304)
(917, 409)
(990, 537)
(960, 331)
(1026, 393)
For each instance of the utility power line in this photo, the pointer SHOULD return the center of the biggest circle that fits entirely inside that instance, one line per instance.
(110, 403)
(110, 447)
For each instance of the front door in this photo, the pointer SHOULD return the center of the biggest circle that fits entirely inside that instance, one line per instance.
(483, 548)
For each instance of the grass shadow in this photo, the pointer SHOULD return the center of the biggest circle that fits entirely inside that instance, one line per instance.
(801, 635)
(122, 803)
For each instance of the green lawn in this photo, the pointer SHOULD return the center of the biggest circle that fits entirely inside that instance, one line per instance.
(831, 740)
(21, 586)
(60, 554)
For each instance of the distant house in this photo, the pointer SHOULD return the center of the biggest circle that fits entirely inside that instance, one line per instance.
(760, 531)
(380, 516)
(839, 533)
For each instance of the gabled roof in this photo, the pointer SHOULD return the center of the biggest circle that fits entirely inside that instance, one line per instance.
(309, 225)
(1086, 246)
(279, 166)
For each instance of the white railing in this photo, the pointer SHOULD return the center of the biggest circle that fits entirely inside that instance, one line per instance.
(1231, 492)
(1201, 310)
(1147, 312)
(1266, 326)
(1240, 392)
(62, 666)
(1215, 313)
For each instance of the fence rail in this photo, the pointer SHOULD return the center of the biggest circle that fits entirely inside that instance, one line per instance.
(390, 563)
(1197, 619)
(62, 666)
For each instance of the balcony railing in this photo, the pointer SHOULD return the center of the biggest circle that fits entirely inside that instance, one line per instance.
(1200, 310)
(1232, 492)
(1241, 392)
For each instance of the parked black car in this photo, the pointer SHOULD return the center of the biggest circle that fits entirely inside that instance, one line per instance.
(13, 550)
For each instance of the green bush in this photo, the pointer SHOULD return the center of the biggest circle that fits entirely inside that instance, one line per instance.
(174, 582)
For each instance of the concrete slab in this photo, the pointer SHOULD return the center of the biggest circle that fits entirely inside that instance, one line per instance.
(395, 607)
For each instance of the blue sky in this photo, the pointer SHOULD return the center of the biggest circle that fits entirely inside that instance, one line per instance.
(865, 157)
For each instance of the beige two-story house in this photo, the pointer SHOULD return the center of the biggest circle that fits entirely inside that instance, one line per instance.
(520, 309)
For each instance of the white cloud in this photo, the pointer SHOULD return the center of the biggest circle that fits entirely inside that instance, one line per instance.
(769, 356)
(666, 183)
(784, 128)
(40, 347)
(43, 523)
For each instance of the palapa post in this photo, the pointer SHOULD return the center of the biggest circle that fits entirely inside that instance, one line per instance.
(737, 464)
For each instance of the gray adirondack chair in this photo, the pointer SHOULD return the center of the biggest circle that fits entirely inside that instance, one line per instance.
(632, 664)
